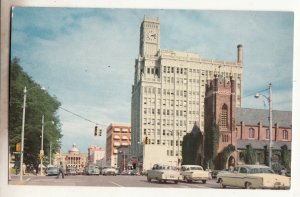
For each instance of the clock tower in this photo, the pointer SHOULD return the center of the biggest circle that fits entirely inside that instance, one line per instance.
(149, 36)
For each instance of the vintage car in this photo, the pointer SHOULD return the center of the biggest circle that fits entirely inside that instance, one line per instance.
(163, 173)
(192, 173)
(92, 170)
(254, 177)
(109, 171)
(52, 171)
(71, 170)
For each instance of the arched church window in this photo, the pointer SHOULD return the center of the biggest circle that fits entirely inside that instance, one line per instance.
(224, 117)
(285, 135)
(251, 133)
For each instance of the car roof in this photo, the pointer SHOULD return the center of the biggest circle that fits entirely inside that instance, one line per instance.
(253, 166)
(187, 166)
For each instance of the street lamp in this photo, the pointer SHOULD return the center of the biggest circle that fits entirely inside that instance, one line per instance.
(42, 145)
(270, 120)
(23, 127)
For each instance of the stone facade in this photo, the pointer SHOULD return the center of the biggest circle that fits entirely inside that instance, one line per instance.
(168, 92)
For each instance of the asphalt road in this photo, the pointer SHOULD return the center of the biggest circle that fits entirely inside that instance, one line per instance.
(107, 181)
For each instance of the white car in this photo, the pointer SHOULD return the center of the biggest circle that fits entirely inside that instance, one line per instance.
(192, 173)
(163, 173)
(254, 177)
(109, 171)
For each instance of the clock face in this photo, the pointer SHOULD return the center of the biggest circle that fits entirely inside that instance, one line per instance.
(151, 35)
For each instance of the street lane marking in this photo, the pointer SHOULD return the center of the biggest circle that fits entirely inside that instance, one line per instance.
(117, 184)
(28, 179)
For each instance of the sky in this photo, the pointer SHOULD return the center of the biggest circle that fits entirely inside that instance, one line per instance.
(85, 57)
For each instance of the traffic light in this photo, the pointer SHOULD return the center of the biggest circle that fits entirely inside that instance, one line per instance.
(96, 130)
(100, 132)
(18, 147)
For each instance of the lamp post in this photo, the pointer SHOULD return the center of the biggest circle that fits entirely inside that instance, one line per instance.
(270, 120)
(42, 146)
(22, 132)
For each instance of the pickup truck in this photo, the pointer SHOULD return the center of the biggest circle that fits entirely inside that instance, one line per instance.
(192, 173)
(163, 173)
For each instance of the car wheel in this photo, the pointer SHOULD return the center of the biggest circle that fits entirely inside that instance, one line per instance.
(176, 182)
(248, 185)
(203, 181)
(148, 179)
(221, 183)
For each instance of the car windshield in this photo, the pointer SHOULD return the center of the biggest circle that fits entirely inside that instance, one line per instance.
(196, 168)
(51, 169)
(261, 170)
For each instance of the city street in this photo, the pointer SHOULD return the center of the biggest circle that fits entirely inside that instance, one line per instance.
(107, 181)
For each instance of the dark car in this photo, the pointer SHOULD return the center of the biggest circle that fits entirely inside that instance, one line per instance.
(52, 171)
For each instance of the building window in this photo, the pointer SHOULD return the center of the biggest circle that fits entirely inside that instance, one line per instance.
(225, 138)
(251, 133)
(285, 135)
(224, 116)
(267, 134)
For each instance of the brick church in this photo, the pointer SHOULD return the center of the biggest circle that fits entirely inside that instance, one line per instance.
(236, 129)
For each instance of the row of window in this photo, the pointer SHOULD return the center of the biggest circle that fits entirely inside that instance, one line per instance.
(252, 134)
(165, 122)
(182, 81)
(166, 142)
(164, 132)
(177, 70)
(170, 112)
(170, 102)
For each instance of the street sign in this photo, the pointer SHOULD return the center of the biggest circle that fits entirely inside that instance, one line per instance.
(42, 152)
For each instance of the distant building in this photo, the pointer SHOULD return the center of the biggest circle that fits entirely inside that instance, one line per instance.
(117, 134)
(96, 155)
(168, 94)
(72, 158)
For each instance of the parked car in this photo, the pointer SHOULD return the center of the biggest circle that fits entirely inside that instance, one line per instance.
(163, 173)
(254, 177)
(134, 172)
(52, 171)
(217, 173)
(109, 171)
(71, 170)
(92, 170)
(192, 173)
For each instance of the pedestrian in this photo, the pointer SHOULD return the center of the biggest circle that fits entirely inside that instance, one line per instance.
(231, 168)
(23, 168)
(60, 171)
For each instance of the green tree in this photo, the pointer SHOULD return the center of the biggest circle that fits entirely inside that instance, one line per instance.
(285, 160)
(211, 145)
(38, 103)
(190, 144)
(250, 155)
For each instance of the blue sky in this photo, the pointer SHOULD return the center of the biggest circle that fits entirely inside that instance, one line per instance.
(85, 57)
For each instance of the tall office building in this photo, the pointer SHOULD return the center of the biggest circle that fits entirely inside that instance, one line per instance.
(168, 95)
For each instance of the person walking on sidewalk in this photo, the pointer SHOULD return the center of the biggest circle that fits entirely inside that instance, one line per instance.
(60, 171)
